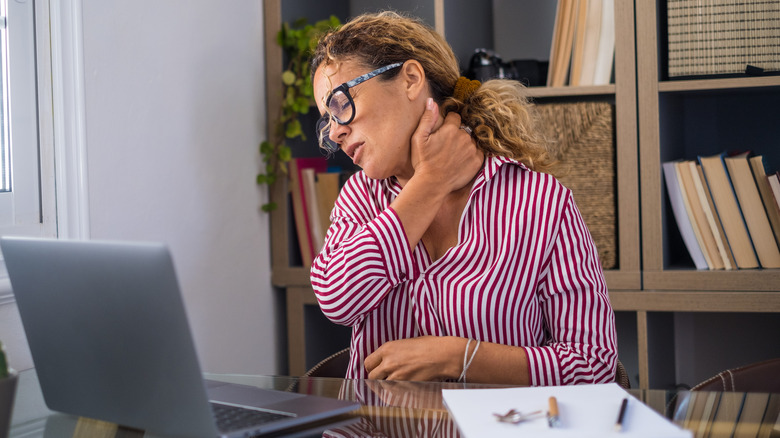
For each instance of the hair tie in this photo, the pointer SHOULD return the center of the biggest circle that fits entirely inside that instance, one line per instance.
(464, 88)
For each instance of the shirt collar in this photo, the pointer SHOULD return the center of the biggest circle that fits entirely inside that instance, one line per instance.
(492, 164)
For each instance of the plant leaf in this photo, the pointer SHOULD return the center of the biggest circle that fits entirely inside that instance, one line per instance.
(285, 153)
(293, 129)
(288, 78)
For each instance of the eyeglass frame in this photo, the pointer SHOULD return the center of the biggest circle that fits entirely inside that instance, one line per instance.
(324, 133)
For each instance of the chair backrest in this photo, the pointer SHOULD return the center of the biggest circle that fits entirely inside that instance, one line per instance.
(755, 377)
(621, 376)
(334, 365)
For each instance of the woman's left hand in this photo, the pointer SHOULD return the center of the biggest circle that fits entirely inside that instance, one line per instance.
(424, 358)
(443, 152)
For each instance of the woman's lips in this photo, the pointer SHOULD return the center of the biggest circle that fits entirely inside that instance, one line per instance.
(353, 151)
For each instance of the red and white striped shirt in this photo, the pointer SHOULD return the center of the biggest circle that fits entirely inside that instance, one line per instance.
(524, 273)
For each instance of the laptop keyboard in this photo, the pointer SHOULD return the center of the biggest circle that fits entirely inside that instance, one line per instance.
(235, 418)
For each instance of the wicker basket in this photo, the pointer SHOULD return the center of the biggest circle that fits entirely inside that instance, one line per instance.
(582, 137)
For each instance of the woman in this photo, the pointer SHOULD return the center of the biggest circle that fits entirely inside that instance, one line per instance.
(450, 254)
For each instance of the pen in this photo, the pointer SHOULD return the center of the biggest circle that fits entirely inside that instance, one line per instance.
(552, 414)
(621, 415)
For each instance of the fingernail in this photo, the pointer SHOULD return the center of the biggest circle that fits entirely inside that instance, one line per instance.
(430, 104)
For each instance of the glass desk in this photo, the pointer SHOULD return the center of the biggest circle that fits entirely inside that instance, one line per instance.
(414, 409)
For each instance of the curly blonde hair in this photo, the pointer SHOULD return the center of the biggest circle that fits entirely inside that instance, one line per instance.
(502, 119)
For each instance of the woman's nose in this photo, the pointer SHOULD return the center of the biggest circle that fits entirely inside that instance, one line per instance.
(337, 131)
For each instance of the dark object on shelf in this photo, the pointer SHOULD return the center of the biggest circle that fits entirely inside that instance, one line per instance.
(752, 70)
(486, 64)
(531, 72)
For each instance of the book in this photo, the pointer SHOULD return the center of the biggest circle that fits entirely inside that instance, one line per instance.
(709, 210)
(605, 56)
(562, 46)
(765, 190)
(556, 42)
(753, 210)
(591, 44)
(710, 407)
(675, 194)
(696, 403)
(328, 187)
(771, 421)
(725, 419)
(727, 207)
(300, 211)
(578, 40)
(694, 207)
(752, 413)
(774, 184)
(309, 179)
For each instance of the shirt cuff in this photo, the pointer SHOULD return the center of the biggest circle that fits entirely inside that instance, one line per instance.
(390, 235)
(543, 366)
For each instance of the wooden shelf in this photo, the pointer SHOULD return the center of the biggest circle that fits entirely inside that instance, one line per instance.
(686, 301)
(691, 280)
(719, 84)
(597, 90)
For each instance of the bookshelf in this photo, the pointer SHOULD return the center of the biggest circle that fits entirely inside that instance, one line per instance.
(649, 285)
(681, 119)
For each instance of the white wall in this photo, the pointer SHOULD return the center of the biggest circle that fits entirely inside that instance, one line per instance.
(175, 111)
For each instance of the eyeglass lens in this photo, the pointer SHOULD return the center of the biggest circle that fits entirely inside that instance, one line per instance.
(342, 110)
(323, 132)
(341, 107)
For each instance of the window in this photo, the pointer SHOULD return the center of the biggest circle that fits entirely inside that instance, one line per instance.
(5, 149)
(22, 197)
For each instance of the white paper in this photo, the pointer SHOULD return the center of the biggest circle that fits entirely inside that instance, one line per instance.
(584, 411)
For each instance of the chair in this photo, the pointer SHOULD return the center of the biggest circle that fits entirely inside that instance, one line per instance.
(621, 376)
(755, 377)
(336, 364)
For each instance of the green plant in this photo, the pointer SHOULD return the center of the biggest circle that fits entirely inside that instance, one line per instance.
(297, 41)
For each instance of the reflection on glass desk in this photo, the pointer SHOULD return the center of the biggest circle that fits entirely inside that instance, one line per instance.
(414, 409)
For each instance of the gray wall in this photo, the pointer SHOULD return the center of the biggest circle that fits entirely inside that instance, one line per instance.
(522, 28)
(175, 113)
(175, 110)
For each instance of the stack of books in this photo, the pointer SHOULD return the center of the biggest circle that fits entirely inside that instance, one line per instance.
(729, 414)
(583, 44)
(717, 37)
(727, 209)
(314, 188)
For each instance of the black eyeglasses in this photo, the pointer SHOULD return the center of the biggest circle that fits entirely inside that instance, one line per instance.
(341, 107)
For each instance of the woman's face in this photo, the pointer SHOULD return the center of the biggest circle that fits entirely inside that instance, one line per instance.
(386, 115)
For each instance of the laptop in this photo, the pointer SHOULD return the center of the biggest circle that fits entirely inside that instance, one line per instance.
(110, 340)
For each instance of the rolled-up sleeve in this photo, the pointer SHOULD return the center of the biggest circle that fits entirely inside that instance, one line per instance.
(363, 258)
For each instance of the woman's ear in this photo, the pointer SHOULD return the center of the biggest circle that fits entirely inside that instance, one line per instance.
(413, 77)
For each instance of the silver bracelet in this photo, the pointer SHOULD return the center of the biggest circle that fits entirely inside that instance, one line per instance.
(467, 364)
